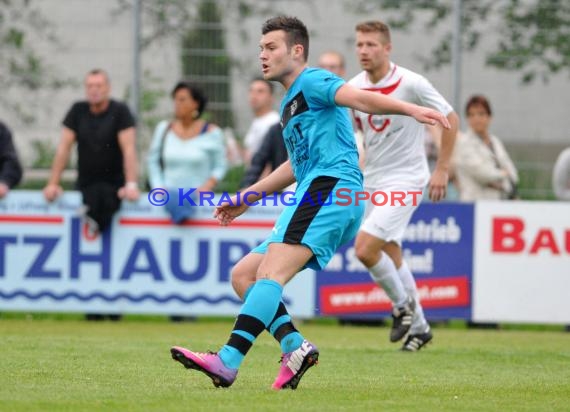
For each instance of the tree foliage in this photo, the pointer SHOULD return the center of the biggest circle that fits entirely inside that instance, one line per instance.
(206, 61)
(199, 26)
(533, 36)
(173, 18)
(21, 65)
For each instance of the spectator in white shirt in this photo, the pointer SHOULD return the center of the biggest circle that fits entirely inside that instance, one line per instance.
(261, 102)
(484, 168)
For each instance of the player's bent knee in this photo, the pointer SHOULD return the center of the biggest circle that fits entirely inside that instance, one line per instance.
(367, 252)
(363, 253)
(241, 279)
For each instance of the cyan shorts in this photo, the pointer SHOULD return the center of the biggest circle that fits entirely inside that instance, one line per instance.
(317, 221)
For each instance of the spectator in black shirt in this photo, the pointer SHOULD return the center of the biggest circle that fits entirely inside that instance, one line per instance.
(272, 152)
(10, 168)
(107, 161)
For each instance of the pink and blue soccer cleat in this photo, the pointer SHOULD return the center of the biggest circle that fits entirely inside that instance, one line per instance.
(295, 364)
(208, 363)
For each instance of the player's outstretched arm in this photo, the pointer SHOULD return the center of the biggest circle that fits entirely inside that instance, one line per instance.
(279, 179)
(376, 103)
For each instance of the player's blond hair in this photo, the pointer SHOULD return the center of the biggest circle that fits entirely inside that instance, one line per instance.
(375, 26)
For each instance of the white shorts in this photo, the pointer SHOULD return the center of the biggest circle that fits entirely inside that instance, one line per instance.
(386, 217)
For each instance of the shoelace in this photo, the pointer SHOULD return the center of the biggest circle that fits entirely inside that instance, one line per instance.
(208, 352)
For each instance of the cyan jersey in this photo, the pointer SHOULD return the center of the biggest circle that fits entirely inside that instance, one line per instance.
(317, 133)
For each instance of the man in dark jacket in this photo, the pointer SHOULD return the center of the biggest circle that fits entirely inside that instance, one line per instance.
(272, 152)
(10, 168)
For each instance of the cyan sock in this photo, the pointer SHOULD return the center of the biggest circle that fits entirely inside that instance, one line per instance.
(256, 313)
(284, 331)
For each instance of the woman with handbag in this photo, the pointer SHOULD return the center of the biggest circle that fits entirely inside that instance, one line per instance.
(186, 153)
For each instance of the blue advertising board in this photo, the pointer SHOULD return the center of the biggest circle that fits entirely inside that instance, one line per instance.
(438, 248)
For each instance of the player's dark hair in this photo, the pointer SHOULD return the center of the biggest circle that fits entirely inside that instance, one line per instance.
(267, 82)
(375, 26)
(478, 100)
(195, 92)
(294, 28)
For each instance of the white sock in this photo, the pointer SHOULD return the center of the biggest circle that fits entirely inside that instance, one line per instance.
(419, 322)
(384, 273)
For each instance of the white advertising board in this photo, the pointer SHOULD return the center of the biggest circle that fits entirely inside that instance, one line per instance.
(522, 262)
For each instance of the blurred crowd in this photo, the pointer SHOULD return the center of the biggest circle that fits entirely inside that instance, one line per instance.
(188, 151)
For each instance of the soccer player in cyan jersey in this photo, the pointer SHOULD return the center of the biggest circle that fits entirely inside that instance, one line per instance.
(322, 159)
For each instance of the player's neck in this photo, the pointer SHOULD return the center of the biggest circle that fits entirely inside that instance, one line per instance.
(374, 76)
(290, 78)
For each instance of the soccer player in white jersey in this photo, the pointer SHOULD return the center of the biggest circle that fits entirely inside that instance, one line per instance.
(395, 160)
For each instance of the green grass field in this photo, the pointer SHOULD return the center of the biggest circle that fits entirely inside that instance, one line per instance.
(74, 365)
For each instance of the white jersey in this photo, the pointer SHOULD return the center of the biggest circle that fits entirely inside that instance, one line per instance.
(258, 129)
(395, 145)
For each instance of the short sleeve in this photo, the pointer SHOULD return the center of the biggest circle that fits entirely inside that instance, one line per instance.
(428, 96)
(126, 119)
(320, 87)
(70, 120)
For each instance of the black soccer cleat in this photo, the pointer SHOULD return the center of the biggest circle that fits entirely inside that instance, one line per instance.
(415, 342)
(402, 320)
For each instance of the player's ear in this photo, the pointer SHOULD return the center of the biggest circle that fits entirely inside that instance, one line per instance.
(298, 51)
(389, 47)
